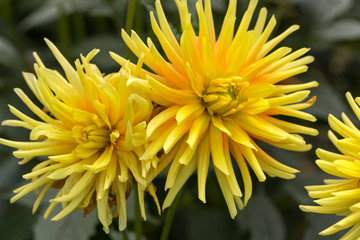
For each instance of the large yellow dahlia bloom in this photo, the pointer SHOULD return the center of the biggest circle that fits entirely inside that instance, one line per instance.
(92, 132)
(340, 196)
(217, 95)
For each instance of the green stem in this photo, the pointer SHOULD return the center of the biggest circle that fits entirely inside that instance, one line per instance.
(115, 17)
(137, 224)
(281, 11)
(125, 235)
(63, 32)
(7, 13)
(139, 21)
(130, 21)
(170, 217)
(101, 26)
(79, 26)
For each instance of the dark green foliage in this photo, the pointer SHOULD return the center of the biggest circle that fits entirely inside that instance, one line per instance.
(330, 27)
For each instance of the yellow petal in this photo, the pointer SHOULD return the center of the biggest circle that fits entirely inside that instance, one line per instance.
(203, 158)
(23, 117)
(161, 118)
(346, 222)
(237, 133)
(273, 42)
(344, 130)
(103, 161)
(104, 212)
(171, 47)
(272, 162)
(224, 186)
(41, 114)
(176, 133)
(41, 196)
(183, 175)
(259, 127)
(30, 187)
(72, 205)
(348, 167)
(279, 76)
(165, 27)
(186, 156)
(189, 111)
(256, 107)
(84, 183)
(330, 156)
(260, 22)
(198, 127)
(353, 104)
(197, 82)
(251, 159)
(171, 94)
(289, 98)
(291, 127)
(324, 210)
(218, 122)
(245, 174)
(71, 74)
(257, 47)
(286, 111)
(330, 168)
(217, 147)
(261, 90)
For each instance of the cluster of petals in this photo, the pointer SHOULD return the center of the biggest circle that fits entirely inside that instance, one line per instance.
(208, 101)
(217, 96)
(91, 130)
(341, 195)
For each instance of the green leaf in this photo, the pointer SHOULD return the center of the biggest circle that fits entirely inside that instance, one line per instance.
(342, 30)
(313, 222)
(202, 222)
(15, 221)
(116, 235)
(49, 11)
(107, 8)
(331, 9)
(327, 96)
(9, 56)
(43, 15)
(219, 5)
(149, 5)
(72, 227)
(105, 43)
(262, 218)
(8, 169)
(325, 10)
(317, 223)
(296, 187)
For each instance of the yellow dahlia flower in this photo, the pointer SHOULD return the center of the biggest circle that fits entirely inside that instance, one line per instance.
(92, 132)
(220, 94)
(340, 196)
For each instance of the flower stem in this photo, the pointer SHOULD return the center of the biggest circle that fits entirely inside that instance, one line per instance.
(63, 32)
(7, 14)
(125, 234)
(130, 21)
(170, 217)
(114, 16)
(137, 223)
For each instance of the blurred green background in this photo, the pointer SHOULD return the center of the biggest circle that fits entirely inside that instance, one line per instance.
(331, 28)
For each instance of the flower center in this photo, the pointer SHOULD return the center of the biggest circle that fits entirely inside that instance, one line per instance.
(93, 136)
(224, 96)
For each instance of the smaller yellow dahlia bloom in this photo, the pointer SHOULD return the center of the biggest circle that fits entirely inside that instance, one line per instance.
(220, 94)
(342, 195)
(92, 131)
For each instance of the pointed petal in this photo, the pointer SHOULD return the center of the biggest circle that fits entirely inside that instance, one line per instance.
(217, 149)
